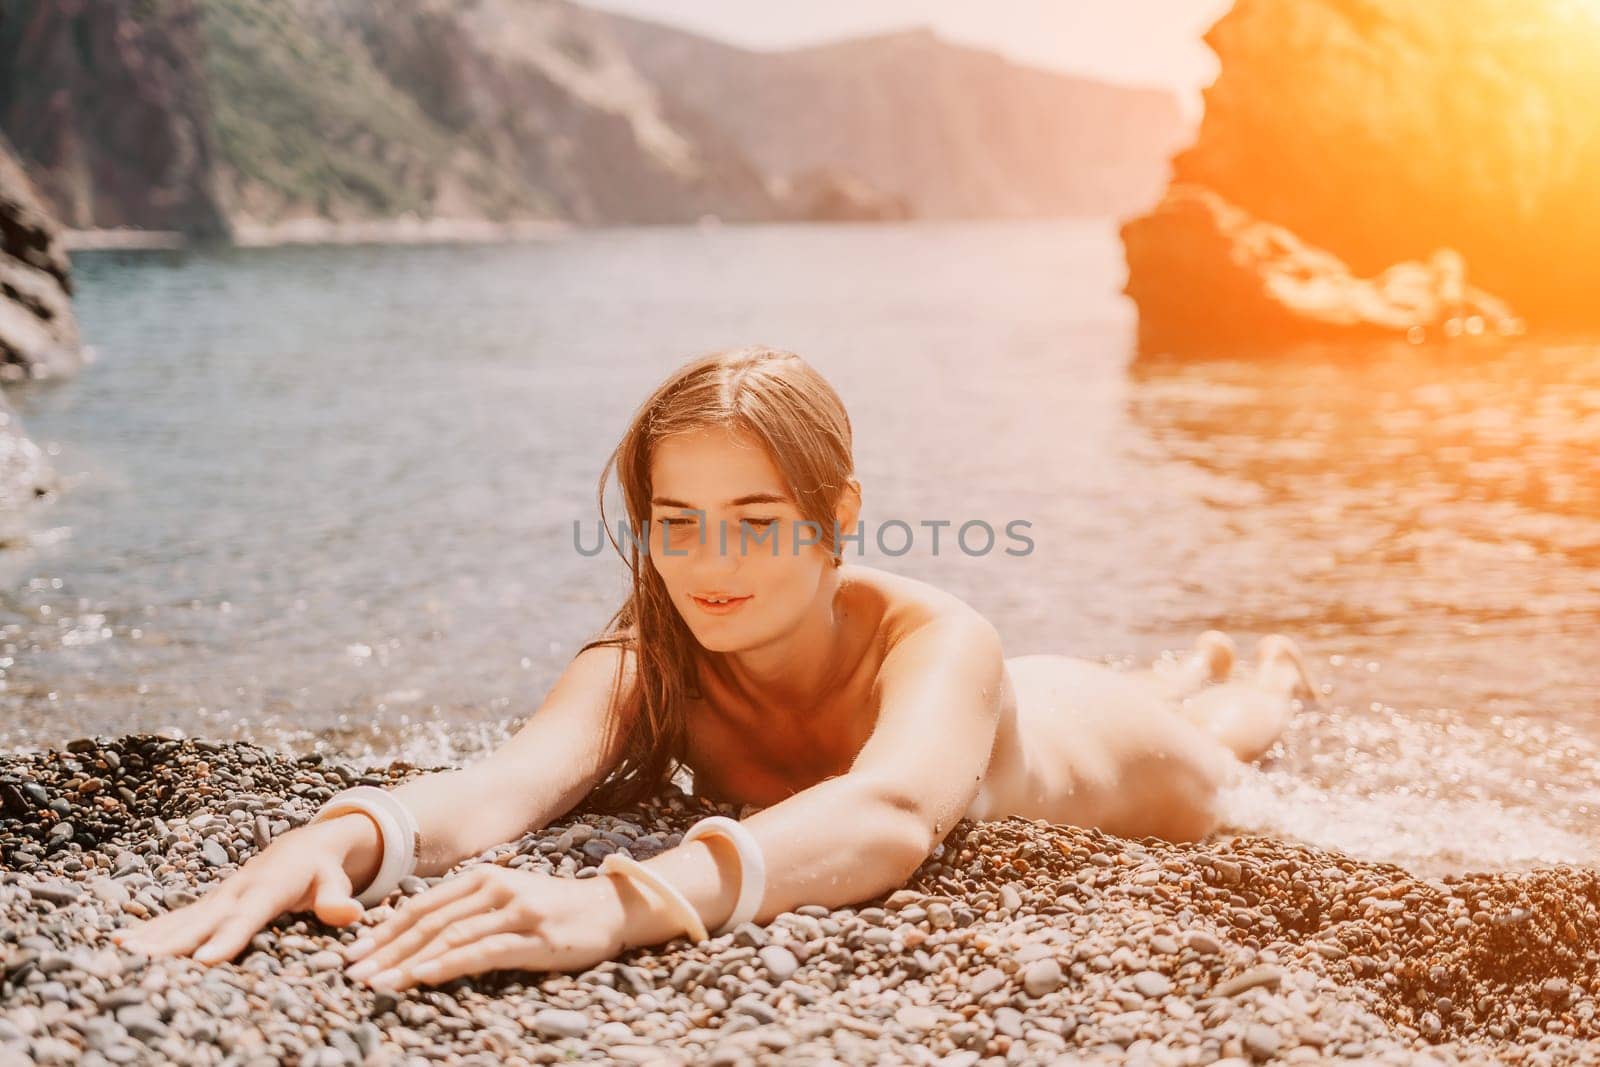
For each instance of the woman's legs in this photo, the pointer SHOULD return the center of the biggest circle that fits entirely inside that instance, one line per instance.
(1146, 753)
(1249, 716)
(1211, 661)
(1107, 748)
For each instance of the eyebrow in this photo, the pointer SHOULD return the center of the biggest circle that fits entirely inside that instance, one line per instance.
(749, 498)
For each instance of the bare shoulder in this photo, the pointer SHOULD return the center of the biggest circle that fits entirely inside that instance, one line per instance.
(614, 658)
(913, 608)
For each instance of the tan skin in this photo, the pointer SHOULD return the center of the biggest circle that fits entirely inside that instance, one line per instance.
(861, 711)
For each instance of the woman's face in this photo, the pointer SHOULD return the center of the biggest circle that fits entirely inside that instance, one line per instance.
(743, 543)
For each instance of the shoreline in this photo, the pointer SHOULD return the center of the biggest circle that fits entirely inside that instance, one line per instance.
(1016, 941)
(404, 230)
(398, 231)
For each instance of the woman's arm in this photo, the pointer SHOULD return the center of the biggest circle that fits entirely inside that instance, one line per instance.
(842, 840)
(545, 769)
(863, 833)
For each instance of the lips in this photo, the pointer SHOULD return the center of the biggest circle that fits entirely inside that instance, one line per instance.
(715, 608)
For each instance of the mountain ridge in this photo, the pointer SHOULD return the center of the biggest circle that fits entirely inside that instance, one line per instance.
(256, 118)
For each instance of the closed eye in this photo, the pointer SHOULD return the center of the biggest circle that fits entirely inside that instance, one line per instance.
(686, 521)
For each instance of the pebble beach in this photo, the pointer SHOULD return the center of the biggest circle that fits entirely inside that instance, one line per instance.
(1017, 941)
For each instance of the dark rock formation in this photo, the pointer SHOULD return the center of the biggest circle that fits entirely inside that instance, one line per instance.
(38, 334)
(1382, 131)
(25, 475)
(958, 131)
(823, 195)
(1205, 273)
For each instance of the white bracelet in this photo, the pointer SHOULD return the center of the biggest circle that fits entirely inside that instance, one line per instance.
(752, 865)
(752, 873)
(683, 911)
(398, 826)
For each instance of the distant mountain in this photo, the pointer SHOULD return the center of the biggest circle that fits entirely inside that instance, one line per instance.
(158, 115)
(959, 131)
(231, 117)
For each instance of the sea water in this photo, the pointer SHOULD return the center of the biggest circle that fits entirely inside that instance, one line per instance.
(324, 498)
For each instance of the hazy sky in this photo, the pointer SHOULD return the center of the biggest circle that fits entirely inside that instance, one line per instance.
(1145, 42)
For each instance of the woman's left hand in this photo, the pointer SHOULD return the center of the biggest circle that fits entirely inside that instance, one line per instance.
(489, 917)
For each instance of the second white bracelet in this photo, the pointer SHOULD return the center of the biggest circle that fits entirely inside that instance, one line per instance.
(752, 865)
(397, 826)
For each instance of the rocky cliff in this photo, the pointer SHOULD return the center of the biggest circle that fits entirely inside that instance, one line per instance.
(38, 333)
(1206, 275)
(1381, 132)
(958, 131)
(106, 105)
(231, 117)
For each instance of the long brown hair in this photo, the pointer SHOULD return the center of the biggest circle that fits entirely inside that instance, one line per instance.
(783, 401)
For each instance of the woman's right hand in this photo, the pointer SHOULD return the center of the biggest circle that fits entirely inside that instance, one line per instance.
(305, 869)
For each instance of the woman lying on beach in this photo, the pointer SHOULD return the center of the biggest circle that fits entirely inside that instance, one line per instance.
(863, 713)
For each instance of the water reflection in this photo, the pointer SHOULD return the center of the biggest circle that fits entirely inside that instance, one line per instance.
(1432, 513)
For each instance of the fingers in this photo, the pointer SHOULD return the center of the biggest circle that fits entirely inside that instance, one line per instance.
(419, 931)
(235, 931)
(181, 930)
(331, 896)
(413, 909)
(463, 933)
(508, 948)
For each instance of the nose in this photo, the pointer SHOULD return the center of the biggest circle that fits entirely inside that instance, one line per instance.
(718, 551)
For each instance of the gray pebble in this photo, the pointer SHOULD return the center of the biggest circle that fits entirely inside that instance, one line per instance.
(1265, 975)
(345, 1045)
(987, 981)
(178, 898)
(1152, 984)
(55, 892)
(1262, 1041)
(51, 962)
(916, 1018)
(326, 960)
(558, 1023)
(142, 1022)
(1008, 1021)
(779, 962)
(1042, 977)
(1010, 899)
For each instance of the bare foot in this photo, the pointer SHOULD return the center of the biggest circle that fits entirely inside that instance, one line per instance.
(1281, 668)
(1211, 661)
(1218, 652)
(1248, 716)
